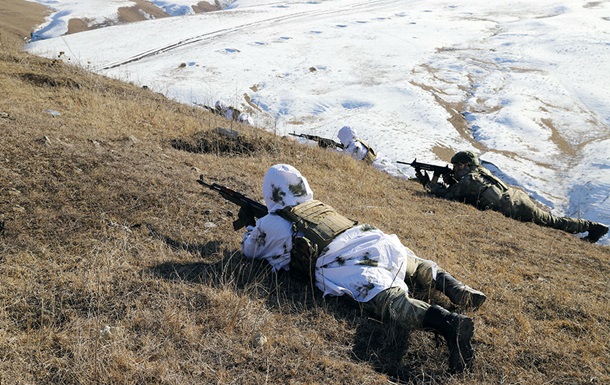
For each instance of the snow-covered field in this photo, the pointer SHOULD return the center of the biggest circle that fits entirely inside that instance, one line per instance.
(522, 83)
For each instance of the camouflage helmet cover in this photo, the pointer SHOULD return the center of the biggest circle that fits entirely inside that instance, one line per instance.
(465, 157)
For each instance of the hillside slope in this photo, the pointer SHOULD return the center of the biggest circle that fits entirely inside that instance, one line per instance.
(19, 18)
(117, 268)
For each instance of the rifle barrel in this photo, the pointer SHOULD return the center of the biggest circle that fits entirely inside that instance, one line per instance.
(428, 167)
(202, 182)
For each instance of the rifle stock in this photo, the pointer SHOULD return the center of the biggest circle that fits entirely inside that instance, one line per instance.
(250, 209)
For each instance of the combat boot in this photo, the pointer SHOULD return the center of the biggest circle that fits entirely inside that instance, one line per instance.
(596, 231)
(457, 292)
(457, 330)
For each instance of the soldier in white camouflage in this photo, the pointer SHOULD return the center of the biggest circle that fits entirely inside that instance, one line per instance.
(474, 184)
(355, 146)
(312, 240)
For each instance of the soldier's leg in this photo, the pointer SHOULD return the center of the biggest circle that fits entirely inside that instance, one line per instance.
(572, 225)
(393, 304)
(428, 274)
(457, 292)
(521, 207)
(527, 211)
(596, 231)
(569, 225)
(458, 330)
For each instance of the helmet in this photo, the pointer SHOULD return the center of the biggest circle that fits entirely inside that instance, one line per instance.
(465, 157)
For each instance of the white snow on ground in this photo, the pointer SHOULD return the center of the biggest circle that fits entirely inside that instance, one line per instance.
(524, 84)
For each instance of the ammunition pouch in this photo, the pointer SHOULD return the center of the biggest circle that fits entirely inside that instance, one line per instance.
(490, 198)
(303, 257)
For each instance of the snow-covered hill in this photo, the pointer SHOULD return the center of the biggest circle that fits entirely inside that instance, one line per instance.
(524, 84)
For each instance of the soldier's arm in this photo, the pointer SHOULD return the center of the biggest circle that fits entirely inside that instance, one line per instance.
(458, 191)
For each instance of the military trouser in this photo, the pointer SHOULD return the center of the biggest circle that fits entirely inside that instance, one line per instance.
(422, 271)
(429, 275)
(394, 305)
(518, 205)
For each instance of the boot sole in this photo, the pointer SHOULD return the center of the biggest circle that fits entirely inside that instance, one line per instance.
(462, 357)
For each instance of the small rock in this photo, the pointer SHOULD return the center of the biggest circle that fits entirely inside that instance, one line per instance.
(227, 132)
(259, 340)
(45, 141)
(110, 331)
(52, 112)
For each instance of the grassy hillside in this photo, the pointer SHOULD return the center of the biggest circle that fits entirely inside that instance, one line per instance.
(117, 268)
(18, 18)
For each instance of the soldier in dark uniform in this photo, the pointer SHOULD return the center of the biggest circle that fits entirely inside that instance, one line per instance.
(475, 185)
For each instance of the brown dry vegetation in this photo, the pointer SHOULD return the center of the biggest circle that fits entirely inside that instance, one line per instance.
(19, 17)
(117, 268)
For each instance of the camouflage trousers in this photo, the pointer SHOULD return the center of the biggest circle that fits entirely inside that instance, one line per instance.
(394, 304)
(518, 205)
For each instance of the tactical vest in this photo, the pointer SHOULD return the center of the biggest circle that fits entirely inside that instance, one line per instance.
(370, 153)
(490, 196)
(315, 225)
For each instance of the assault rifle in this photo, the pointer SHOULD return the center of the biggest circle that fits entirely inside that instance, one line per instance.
(445, 171)
(440, 170)
(322, 142)
(250, 209)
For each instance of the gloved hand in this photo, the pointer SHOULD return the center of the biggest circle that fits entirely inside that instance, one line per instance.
(422, 177)
(435, 176)
(448, 179)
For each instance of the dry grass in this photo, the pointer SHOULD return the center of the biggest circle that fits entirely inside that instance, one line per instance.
(117, 268)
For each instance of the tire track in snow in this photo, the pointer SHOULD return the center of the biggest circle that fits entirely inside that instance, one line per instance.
(357, 8)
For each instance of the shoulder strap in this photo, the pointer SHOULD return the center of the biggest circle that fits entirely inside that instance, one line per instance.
(491, 178)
